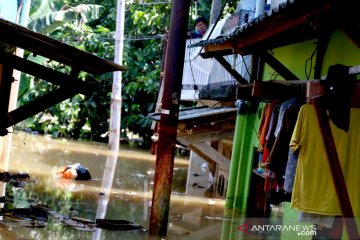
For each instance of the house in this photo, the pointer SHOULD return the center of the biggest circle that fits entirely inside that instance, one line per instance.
(293, 46)
(216, 77)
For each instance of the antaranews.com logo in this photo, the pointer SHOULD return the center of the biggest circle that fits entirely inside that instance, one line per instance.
(263, 229)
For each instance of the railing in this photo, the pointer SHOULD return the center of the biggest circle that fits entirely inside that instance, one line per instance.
(201, 73)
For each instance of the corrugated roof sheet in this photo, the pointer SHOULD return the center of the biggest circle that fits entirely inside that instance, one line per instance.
(246, 27)
(292, 22)
(198, 112)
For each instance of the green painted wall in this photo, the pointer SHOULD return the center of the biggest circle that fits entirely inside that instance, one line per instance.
(245, 164)
(245, 153)
(341, 50)
(294, 58)
(235, 159)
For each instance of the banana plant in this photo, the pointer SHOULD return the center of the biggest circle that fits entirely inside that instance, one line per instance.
(48, 15)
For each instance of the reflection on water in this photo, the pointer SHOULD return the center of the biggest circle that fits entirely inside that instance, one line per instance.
(130, 195)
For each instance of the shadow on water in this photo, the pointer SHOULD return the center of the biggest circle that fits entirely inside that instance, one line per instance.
(129, 195)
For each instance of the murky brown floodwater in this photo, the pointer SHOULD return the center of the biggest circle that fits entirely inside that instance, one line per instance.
(131, 192)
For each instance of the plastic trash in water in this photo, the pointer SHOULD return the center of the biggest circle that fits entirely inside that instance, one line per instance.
(75, 171)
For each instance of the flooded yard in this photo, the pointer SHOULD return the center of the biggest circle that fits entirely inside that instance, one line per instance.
(191, 217)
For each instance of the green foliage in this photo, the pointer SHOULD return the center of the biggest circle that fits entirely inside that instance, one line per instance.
(48, 15)
(83, 117)
(203, 9)
(143, 59)
(87, 116)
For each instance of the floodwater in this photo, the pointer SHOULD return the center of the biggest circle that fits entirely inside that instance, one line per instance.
(191, 217)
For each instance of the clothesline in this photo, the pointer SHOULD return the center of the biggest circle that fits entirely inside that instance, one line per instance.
(311, 193)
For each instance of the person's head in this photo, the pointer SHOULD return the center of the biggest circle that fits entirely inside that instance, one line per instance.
(201, 24)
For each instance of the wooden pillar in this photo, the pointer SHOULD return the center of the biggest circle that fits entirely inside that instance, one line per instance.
(5, 89)
(335, 167)
(169, 118)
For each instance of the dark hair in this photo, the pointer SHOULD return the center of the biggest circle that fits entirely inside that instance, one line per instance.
(201, 19)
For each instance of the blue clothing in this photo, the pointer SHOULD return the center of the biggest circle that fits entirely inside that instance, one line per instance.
(290, 171)
(195, 34)
(292, 103)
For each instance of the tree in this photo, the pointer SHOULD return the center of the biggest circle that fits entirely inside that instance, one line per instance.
(63, 22)
(47, 15)
(86, 117)
(143, 50)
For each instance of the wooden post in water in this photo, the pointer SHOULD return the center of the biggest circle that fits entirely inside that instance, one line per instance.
(5, 148)
(169, 111)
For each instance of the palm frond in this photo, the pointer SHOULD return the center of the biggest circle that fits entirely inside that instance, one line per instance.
(47, 19)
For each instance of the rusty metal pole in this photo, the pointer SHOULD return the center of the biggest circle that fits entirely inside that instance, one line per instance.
(169, 118)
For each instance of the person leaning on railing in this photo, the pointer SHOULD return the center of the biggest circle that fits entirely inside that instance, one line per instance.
(201, 25)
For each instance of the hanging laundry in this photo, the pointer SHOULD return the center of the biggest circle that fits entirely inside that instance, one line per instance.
(290, 171)
(277, 158)
(270, 138)
(265, 122)
(339, 87)
(313, 190)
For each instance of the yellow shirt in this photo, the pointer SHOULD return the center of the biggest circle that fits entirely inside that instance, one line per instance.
(314, 190)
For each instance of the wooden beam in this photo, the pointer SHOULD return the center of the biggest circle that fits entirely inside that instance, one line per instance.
(38, 71)
(265, 35)
(322, 45)
(232, 71)
(37, 43)
(209, 123)
(271, 90)
(278, 66)
(223, 49)
(291, 36)
(175, 54)
(317, 89)
(185, 129)
(5, 92)
(337, 175)
(38, 105)
(205, 137)
(210, 154)
(5, 86)
(254, 37)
